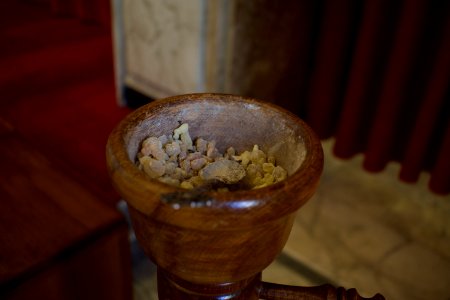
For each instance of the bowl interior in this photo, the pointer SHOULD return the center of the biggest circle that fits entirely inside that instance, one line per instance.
(240, 123)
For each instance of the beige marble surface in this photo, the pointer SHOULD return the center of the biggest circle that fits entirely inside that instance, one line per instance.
(375, 233)
(169, 47)
(162, 46)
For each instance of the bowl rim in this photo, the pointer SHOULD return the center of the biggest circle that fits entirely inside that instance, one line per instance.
(134, 184)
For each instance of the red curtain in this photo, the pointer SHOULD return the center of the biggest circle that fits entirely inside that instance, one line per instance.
(97, 11)
(379, 83)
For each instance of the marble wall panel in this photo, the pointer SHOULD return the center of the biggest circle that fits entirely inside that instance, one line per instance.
(163, 46)
(233, 46)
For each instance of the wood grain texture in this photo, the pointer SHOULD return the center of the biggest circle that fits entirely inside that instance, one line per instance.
(270, 291)
(223, 239)
(47, 224)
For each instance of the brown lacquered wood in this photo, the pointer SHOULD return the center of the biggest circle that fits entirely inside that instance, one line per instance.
(57, 239)
(271, 291)
(205, 240)
(170, 287)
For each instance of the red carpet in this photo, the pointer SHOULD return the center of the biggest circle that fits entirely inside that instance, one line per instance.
(57, 88)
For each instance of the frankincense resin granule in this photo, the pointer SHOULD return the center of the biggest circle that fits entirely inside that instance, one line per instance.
(177, 160)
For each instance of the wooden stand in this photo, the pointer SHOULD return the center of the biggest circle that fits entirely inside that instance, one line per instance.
(211, 245)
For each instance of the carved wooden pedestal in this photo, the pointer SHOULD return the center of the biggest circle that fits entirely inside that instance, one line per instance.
(214, 245)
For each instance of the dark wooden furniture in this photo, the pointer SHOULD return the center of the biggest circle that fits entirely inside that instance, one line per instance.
(212, 245)
(57, 240)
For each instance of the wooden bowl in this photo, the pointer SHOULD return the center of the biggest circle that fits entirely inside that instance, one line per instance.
(213, 237)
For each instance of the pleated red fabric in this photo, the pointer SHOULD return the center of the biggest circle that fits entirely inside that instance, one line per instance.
(326, 78)
(97, 11)
(380, 85)
(434, 104)
(392, 100)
